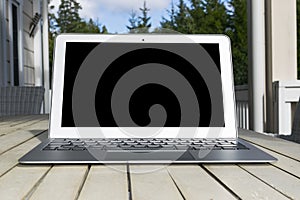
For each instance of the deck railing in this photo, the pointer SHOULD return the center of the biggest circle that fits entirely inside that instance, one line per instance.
(242, 106)
(286, 95)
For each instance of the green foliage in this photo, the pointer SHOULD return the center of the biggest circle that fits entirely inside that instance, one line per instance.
(183, 20)
(140, 24)
(213, 16)
(239, 39)
(68, 20)
(169, 24)
(133, 21)
(179, 20)
(210, 16)
(144, 20)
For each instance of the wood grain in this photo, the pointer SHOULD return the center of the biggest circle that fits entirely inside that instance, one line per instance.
(277, 145)
(18, 182)
(195, 183)
(242, 183)
(13, 139)
(152, 182)
(277, 178)
(105, 181)
(62, 182)
(10, 158)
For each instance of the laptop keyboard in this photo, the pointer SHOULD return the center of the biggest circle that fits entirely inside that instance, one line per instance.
(143, 144)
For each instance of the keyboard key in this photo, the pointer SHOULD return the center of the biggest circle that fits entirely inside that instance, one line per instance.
(111, 146)
(228, 148)
(50, 148)
(201, 148)
(95, 147)
(59, 143)
(139, 146)
(182, 147)
(125, 146)
(63, 149)
(144, 144)
(78, 149)
(154, 146)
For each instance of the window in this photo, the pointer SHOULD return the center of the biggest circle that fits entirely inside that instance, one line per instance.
(15, 19)
(15, 43)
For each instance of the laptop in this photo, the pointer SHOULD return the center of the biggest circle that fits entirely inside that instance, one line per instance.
(143, 98)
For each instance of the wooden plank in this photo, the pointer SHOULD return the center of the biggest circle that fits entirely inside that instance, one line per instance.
(28, 7)
(28, 58)
(13, 139)
(14, 122)
(278, 145)
(18, 182)
(195, 183)
(107, 182)
(31, 124)
(10, 158)
(9, 121)
(28, 41)
(29, 75)
(276, 178)
(62, 182)
(284, 163)
(242, 183)
(152, 182)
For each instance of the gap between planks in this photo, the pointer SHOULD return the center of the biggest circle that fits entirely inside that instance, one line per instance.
(265, 173)
(242, 183)
(26, 126)
(9, 159)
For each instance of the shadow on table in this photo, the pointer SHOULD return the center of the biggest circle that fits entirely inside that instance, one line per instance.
(40, 134)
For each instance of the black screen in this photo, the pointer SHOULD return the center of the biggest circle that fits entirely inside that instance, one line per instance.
(142, 85)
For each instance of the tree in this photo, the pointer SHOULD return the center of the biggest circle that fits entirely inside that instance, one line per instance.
(169, 24)
(144, 20)
(179, 20)
(213, 16)
(238, 35)
(104, 30)
(68, 19)
(133, 21)
(198, 15)
(209, 16)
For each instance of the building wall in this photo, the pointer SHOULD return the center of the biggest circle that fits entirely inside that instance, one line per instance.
(28, 43)
(26, 70)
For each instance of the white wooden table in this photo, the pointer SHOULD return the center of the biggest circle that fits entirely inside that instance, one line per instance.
(279, 180)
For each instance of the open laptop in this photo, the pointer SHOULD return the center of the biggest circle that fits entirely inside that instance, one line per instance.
(143, 99)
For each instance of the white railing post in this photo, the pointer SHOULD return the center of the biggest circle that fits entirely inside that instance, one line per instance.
(257, 60)
(46, 56)
(285, 94)
(242, 106)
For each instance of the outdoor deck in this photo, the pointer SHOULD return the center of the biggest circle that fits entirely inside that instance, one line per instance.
(279, 180)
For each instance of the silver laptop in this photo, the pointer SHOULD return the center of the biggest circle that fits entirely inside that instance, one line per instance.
(143, 99)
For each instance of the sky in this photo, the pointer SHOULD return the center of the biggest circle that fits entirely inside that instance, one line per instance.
(114, 14)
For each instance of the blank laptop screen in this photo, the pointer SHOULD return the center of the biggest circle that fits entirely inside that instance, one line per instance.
(142, 85)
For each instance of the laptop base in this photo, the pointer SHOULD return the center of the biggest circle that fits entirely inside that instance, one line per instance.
(250, 155)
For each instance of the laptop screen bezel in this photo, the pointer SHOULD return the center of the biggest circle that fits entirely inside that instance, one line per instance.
(57, 131)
